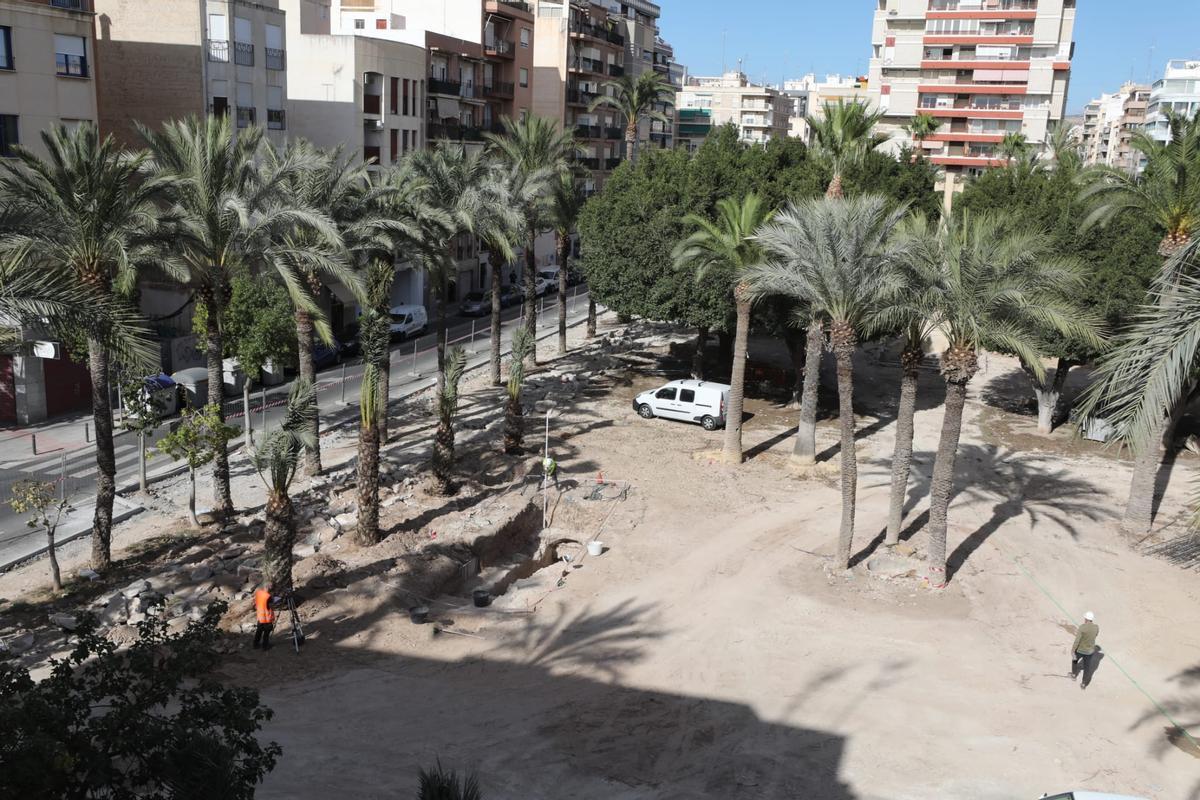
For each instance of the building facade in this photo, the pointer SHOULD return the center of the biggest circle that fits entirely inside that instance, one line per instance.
(809, 96)
(172, 59)
(761, 113)
(1178, 91)
(985, 68)
(1109, 123)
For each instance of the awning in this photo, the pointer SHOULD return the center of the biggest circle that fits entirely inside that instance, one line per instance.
(447, 108)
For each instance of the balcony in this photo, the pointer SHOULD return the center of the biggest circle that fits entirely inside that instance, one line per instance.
(276, 59)
(243, 54)
(614, 133)
(987, 5)
(276, 119)
(246, 116)
(499, 89)
(458, 132)
(443, 86)
(611, 36)
(70, 5)
(218, 51)
(518, 5)
(585, 64)
(615, 70)
(372, 104)
(590, 163)
(611, 163)
(577, 97)
(499, 48)
(588, 131)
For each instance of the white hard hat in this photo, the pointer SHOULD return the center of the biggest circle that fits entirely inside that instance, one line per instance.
(1089, 616)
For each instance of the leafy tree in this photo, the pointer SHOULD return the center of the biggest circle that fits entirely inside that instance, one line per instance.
(143, 413)
(1014, 147)
(40, 500)
(257, 324)
(148, 722)
(514, 421)
(88, 212)
(843, 136)
(276, 459)
(447, 409)
(729, 247)
(634, 99)
(199, 437)
(438, 784)
(565, 205)
(834, 255)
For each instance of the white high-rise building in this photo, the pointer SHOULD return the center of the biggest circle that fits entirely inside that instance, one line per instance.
(1178, 91)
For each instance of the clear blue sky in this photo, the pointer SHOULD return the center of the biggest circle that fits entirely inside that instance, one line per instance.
(777, 38)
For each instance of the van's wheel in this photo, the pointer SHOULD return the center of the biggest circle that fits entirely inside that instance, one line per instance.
(645, 411)
(709, 423)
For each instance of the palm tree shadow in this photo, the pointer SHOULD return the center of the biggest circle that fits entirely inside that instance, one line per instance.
(1184, 710)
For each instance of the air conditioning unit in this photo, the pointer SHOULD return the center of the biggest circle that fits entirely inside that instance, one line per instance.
(887, 62)
(378, 124)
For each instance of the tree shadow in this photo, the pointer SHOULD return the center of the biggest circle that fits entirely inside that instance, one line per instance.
(1182, 733)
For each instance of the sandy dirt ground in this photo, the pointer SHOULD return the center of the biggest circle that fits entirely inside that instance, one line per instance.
(712, 651)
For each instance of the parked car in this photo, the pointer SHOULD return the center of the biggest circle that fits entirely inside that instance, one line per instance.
(511, 296)
(476, 304)
(351, 345)
(326, 355)
(694, 401)
(543, 285)
(1090, 796)
(409, 321)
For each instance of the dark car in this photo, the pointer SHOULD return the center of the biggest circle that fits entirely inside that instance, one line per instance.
(511, 296)
(351, 346)
(476, 304)
(327, 355)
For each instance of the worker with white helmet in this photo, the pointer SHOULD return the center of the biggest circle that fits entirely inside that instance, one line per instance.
(1084, 649)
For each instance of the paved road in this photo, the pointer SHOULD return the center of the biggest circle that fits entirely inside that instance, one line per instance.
(73, 462)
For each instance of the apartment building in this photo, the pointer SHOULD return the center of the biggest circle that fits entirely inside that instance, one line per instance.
(1109, 123)
(986, 68)
(809, 96)
(168, 59)
(662, 134)
(1179, 91)
(761, 113)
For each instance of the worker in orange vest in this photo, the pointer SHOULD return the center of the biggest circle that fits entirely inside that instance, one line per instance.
(264, 610)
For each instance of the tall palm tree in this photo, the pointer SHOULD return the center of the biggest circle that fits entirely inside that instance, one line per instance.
(728, 245)
(998, 287)
(514, 420)
(1166, 194)
(538, 151)
(843, 137)
(565, 205)
(447, 409)
(277, 458)
(1063, 149)
(634, 99)
(226, 212)
(85, 209)
(920, 128)
(374, 334)
(834, 255)
(1014, 146)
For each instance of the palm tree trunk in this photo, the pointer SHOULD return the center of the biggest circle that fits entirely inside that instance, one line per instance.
(732, 451)
(443, 457)
(805, 451)
(514, 423)
(942, 486)
(834, 192)
(192, 497)
(910, 363)
(631, 131)
(497, 321)
(698, 355)
(106, 462)
(279, 536)
(793, 340)
(844, 352)
(385, 386)
(564, 252)
(367, 532)
(142, 482)
(591, 319)
(531, 292)
(441, 336)
(55, 574)
(1139, 509)
(222, 497)
(304, 348)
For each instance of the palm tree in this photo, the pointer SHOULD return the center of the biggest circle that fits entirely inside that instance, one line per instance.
(438, 784)
(634, 99)
(1063, 149)
(566, 203)
(843, 137)
(1167, 195)
(85, 209)
(728, 245)
(997, 287)
(920, 128)
(538, 151)
(833, 254)
(277, 459)
(226, 212)
(447, 408)
(514, 420)
(374, 334)
(1014, 146)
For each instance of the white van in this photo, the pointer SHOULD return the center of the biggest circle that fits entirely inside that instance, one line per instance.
(409, 321)
(690, 400)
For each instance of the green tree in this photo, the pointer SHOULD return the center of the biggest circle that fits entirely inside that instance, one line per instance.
(256, 324)
(143, 413)
(85, 210)
(144, 721)
(565, 205)
(41, 501)
(920, 128)
(447, 409)
(1014, 147)
(276, 459)
(514, 415)
(728, 246)
(834, 255)
(843, 136)
(635, 98)
(199, 437)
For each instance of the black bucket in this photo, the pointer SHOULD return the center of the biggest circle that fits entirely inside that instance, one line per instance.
(419, 614)
(482, 598)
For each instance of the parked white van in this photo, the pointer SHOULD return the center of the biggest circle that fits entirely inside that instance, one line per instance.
(689, 400)
(408, 321)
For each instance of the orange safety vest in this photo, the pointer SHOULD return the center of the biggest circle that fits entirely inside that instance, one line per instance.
(262, 606)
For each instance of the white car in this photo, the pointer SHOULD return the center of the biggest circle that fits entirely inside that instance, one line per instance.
(693, 401)
(1089, 796)
(542, 285)
(409, 321)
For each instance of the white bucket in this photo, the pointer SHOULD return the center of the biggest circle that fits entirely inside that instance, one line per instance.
(595, 548)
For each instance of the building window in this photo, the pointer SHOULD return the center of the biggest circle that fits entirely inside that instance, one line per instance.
(524, 114)
(394, 141)
(394, 97)
(359, 24)
(405, 105)
(8, 135)
(276, 119)
(524, 78)
(404, 141)
(71, 55)
(381, 24)
(524, 37)
(6, 57)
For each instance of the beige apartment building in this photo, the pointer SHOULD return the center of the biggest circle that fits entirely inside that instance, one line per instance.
(47, 69)
(167, 59)
(761, 113)
(1109, 123)
(809, 96)
(985, 68)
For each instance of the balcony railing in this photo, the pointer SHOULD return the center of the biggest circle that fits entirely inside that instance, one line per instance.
(614, 133)
(590, 163)
(579, 97)
(218, 51)
(243, 54)
(459, 133)
(988, 5)
(443, 86)
(611, 163)
(276, 119)
(597, 32)
(72, 5)
(517, 4)
(588, 65)
(498, 89)
(588, 131)
(246, 116)
(616, 70)
(276, 59)
(372, 104)
(499, 47)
